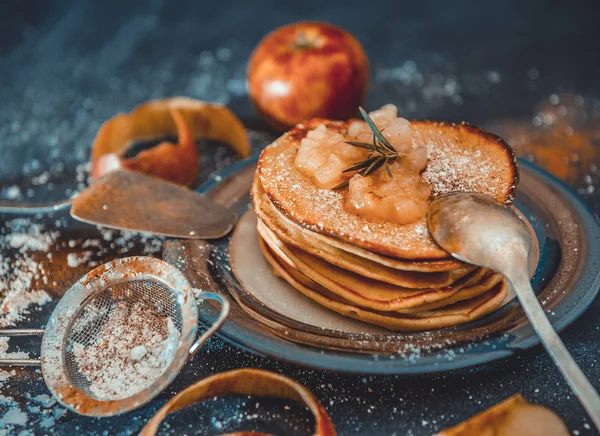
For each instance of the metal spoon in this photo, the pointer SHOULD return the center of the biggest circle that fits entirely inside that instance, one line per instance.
(127, 200)
(477, 229)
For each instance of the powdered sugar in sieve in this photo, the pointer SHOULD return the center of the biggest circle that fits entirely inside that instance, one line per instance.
(132, 347)
(120, 335)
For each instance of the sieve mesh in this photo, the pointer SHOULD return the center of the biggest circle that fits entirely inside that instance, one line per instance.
(86, 327)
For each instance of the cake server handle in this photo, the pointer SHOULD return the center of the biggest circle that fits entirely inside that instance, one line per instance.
(31, 208)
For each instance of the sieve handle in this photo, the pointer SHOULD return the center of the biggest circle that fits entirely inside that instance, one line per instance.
(218, 323)
(20, 332)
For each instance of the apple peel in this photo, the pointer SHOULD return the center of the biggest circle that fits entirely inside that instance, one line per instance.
(183, 117)
(251, 382)
(512, 416)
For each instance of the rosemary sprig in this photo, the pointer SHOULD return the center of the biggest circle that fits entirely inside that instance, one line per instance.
(381, 153)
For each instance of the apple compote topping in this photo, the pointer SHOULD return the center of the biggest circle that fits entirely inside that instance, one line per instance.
(400, 196)
(403, 198)
(324, 155)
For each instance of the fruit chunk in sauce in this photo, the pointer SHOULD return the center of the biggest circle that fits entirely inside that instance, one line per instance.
(323, 156)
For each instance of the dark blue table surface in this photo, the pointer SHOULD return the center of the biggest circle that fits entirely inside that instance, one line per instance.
(66, 66)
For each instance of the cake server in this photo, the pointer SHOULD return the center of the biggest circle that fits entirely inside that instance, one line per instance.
(128, 200)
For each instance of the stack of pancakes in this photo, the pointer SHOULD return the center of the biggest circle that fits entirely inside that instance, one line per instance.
(386, 274)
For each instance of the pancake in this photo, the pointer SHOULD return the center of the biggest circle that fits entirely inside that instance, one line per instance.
(367, 292)
(376, 295)
(399, 272)
(461, 157)
(405, 279)
(468, 292)
(453, 315)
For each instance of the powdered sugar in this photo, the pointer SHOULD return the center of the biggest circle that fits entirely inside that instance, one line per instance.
(42, 410)
(33, 237)
(132, 349)
(19, 272)
(5, 354)
(12, 192)
(452, 168)
(76, 259)
(29, 250)
(16, 303)
(14, 416)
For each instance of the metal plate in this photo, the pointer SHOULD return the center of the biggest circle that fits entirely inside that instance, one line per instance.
(566, 281)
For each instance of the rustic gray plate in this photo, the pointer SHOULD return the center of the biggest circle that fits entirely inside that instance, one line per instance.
(566, 282)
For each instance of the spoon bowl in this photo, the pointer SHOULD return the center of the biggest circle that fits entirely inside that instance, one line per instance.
(477, 229)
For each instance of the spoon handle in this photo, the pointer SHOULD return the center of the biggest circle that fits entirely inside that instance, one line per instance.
(556, 348)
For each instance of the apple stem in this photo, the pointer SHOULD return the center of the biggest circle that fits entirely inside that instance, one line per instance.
(302, 42)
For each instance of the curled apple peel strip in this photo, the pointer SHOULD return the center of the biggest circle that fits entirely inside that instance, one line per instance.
(251, 382)
(179, 116)
(512, 416)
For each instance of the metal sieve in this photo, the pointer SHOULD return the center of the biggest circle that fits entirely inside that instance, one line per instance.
(85, 308)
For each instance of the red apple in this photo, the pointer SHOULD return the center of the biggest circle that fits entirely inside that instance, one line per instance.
(307, 70)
